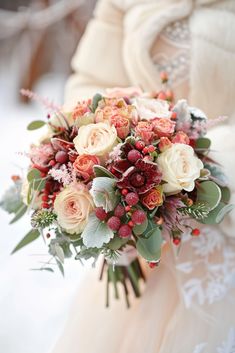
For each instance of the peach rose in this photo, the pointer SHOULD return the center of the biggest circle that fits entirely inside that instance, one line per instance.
(180, 137)
(152, 198)
(84, 165)
(122, 125)
(163, 127)
(81, 109)
(73, 206)
(144, 130)
(95, 139)
(164, 144)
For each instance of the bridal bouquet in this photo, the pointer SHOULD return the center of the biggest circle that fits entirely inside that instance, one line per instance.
(119, 176)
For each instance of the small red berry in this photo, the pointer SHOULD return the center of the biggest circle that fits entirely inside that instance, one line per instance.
(140, 145)
(114, 223)
(151, 148)
(45, 205)
(145, 150)
(176, 241)
(152, 264)
(131, 224)
(173, 115)
(52, 163)
(127, 208)
(48, 235)
(124, 231)
(196, 232)
(119, 211)
(100, 213)
(48, 186)
(44, 197)
(133, 156)
(124, 192)
(43, 175)
(132, 198)
(169, 95)
(61, 157)
(138, 217)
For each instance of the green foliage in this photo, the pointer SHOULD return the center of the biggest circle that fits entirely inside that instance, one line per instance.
(32, 235)
(140, 229)
(95, 101)
(217, 214)
(34, 125)
(149, 245)
(104, 193)
(96, 233)
(102, 172)
(198, 210)
(12, 200)
(217, 173)
(116, 243)
(19, 213)
(209, 194)
(203, 143)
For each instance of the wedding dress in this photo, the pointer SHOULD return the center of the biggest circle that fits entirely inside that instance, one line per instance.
(188, 302)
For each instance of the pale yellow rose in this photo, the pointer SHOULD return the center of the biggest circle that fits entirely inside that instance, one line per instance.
(180, 168)
(73, 206)
(149, 108)
(95, 139)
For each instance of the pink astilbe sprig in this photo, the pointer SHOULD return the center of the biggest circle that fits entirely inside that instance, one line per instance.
(44, 101)
(64, 174)
(213, 122)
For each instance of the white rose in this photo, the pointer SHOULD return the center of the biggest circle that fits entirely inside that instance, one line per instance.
(95, 139)
(180, 167)
(73, 206)
(149, 108)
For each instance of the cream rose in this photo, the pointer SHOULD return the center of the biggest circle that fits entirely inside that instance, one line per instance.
(73, 206)
(95, 139)
(180, 167)
(149, 108)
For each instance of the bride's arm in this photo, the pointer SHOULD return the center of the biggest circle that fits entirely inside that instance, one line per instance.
(98, 62)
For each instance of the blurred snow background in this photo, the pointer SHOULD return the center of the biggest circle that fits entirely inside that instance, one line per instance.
(33, 304)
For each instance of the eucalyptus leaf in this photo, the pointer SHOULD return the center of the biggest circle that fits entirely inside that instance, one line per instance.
(150, 246)
(19, 213)
(95, 101)
(103, 192)
(60, 266)
(209, 193)
(48, 269)
(217, 215)
(59, 252)
(102, 172)
(33, 174)
(34, 125)
(116, 243)
(226, 194)
(203, 143)
(140, 229)
(32, 235)
(96, 233)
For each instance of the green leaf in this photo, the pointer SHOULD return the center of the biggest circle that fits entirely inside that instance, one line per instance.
(60, 266)
(32, 235)
(140, 229)
(104, 193)
(96, 233)
(150, 246)
(97, 97)
(48, 269)
(226, 194)
(203, 143)
(209, 193)
(33, 174)
(38, 185)
(20, 212)
(217, 215)
(116, 243)
(34, 125)
(102, 172)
